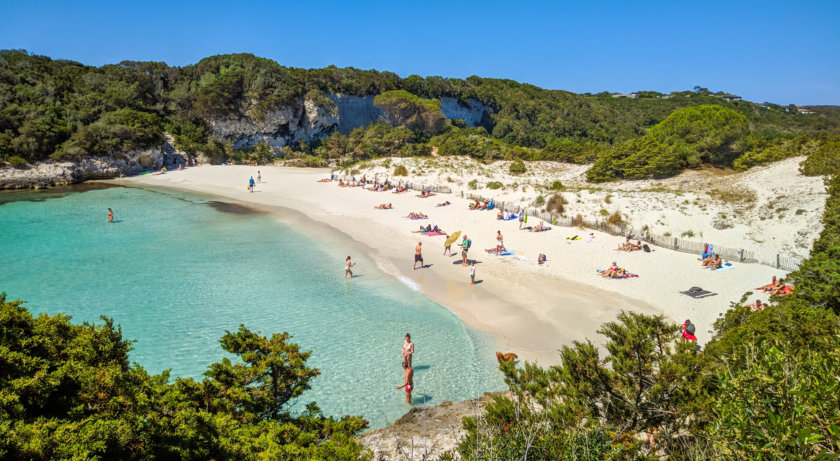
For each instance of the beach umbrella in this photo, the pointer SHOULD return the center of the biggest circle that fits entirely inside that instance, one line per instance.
(526, 217)
(452, 238)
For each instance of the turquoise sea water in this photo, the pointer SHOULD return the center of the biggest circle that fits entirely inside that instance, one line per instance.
(176, 270)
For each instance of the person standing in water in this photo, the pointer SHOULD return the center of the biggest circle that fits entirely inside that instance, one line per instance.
(418, 257)
(347, 265)
(408, 381)
(110, 215)
(408, 349)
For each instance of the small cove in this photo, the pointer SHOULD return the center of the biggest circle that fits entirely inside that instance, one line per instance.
(176, 270)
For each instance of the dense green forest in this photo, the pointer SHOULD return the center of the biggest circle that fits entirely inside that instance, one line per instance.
(65, 110)
(767, 385)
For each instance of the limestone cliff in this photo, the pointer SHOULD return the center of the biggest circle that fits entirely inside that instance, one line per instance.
(306, 120)
(61, 173)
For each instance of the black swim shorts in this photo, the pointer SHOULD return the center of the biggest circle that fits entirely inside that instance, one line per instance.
(418, 258)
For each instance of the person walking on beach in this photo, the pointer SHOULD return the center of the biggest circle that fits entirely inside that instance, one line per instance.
(347, 265)
(465, 247)
(259, 177)
(521, 220)
(418, 257)
(251, 184)
(447, 249)
(110, 215)
(500, 242)
(408, 349)
(408, 381)
(472, 273)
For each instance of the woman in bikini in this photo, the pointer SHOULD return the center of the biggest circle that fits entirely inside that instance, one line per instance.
(347, 265)
(408, 349)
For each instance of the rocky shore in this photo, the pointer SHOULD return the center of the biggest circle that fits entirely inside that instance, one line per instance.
(61, 173)
(424, 432)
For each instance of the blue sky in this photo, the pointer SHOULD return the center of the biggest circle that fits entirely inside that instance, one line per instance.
(783, 52)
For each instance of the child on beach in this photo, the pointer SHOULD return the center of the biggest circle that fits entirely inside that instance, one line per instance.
(472, 273)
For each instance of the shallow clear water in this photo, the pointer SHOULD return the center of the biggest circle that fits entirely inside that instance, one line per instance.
(176, 270)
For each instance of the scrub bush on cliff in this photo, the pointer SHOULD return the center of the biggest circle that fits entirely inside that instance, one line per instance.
(67, 391)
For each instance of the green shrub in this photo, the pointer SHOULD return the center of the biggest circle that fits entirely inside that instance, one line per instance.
(473, 185)
(540, 201)
(494, 185)
(16, 162)
(825, 161)
(687, 234)
(400, 170)
(604, 212)
(556, 185)
(686, 138)
(518, 167)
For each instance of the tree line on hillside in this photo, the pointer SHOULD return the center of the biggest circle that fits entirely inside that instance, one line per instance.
(65, 110)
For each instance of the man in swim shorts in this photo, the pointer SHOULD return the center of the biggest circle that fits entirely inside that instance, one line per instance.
(465, 247)
(251, 184)
(408, 378)
(418, 257)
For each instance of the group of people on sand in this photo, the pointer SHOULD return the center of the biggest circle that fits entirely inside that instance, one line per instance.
(416, 215)
(630, 246)
(479, 205)
(426, 193)
(384, 206)
(400, 190)
(775, 287)
(430, 229)
(712, 261)
(503, 215)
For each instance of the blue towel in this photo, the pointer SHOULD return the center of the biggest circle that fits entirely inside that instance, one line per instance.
(725, 267)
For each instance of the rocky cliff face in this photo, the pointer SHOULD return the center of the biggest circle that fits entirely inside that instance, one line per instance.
(307, 121)
(50, 174)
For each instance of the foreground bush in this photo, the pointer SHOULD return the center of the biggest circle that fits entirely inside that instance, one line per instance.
(67, 391)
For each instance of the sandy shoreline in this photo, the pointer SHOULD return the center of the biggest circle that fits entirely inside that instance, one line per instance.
(531, 309)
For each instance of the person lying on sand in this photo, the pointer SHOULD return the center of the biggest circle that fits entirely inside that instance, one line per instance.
(426, 193)
(475, 205)
(384, 207)
(496, 250)
(400, 190)
(444, 203)
(538, 228)
(757, 306)
(414, 215)
(774, 284)
(325, 180)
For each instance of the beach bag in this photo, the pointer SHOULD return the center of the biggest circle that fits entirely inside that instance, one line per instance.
(541, 258)
(689, 328)
(646, 248)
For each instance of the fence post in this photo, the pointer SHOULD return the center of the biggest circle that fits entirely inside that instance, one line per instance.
(778, 265)
(675, 243)
(741, 253)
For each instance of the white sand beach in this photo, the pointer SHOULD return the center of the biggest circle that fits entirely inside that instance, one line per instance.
(532, 309)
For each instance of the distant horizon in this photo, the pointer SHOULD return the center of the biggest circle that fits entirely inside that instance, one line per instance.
(763, 51)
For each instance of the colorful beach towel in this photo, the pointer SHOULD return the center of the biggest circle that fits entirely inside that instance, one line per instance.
(415, 219)
(432, 234)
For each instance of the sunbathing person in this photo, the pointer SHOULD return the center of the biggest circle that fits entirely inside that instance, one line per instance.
(444, 203)
(635, 247)
(538, 228)
(757, 306)
(611, 271)
(707, 261)
(475, 206)
(779, 288)
(414, 215)
(384, 207)
(626, 245)
(500, 216)
(774, 284)
(716, 262)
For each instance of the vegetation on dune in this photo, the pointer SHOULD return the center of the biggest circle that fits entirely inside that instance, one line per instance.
(67, 391)
(66, 110)
(765, 387)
